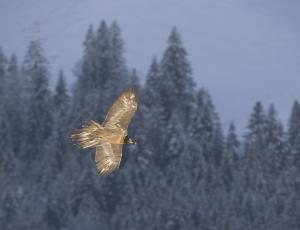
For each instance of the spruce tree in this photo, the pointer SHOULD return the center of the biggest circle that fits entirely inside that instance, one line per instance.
(256, 126)
(169, 89)
(103, 55)
(3, 99)
(38, 122)
(218, 146)
(151, 91)
(275, 142)
(57, 145)
(203, 124)
(12, 116)
(134, 79)
(174, 141)
(101, 78)
(37, 131)
(177, 85)
(6, 156)
(232, 145)
(120, 72)
(153, 121)
(87, 64)
(255, 143)
(3, 67)
(294, 135)
(102, 75)
(15, 104)
(293, 169)
(231, 157)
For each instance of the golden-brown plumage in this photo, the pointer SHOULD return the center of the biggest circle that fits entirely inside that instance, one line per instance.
(108, 138)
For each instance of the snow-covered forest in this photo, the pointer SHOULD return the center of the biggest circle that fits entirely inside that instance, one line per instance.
(186, 172)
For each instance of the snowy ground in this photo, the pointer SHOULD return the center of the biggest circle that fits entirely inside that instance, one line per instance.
(240, 50)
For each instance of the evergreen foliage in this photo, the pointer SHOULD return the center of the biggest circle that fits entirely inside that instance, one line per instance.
(184, 173)
(38, 118)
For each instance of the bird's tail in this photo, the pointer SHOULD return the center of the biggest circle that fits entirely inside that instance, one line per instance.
(88, 135)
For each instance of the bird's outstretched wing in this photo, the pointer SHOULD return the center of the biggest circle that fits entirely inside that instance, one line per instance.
(108, 157)
(123, 109)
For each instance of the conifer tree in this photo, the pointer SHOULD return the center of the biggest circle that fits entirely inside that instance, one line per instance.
(87, 63)
(171, 87)
(203, 123)
(15, 104)
(151, 91)
(174, 142)
(256, 126)
(3, 125)
(177, 85)
(3, 66)
(255, 143)
(6, 155)
(218, 146)
(134, 79)
(102, 75)
(38, 116)
(12, 116)
(231, 157)
(293, 169)
(232, 145)
(153, 120)
(275, 142)
(294, 134)
(59, 138)
(101, 78)
(120, 72)
(103, 55)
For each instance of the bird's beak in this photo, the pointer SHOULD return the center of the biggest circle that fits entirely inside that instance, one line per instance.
(133, 142)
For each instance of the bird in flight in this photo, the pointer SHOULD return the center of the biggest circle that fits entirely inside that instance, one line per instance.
(108, 138)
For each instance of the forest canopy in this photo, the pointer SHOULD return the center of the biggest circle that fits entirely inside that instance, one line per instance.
(185, 172)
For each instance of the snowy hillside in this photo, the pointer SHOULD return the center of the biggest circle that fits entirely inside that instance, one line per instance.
(240, 50)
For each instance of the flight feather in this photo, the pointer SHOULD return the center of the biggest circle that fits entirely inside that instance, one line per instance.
(108, 138)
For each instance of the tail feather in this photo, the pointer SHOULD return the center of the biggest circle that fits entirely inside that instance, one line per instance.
(88, 135)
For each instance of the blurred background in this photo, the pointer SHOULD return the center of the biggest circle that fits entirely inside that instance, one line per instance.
(218, 126)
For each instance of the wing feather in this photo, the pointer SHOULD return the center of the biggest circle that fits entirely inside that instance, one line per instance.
(123, 109)
(108, 157)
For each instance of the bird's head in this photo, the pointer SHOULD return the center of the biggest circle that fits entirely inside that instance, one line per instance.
(131, 141)
(128, 140)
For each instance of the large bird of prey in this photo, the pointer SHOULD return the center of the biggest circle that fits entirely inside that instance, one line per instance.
(108, 138)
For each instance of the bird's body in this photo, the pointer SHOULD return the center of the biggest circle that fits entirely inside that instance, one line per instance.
(108, 138)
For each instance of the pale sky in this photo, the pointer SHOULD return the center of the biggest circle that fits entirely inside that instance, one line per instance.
(240, 50)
